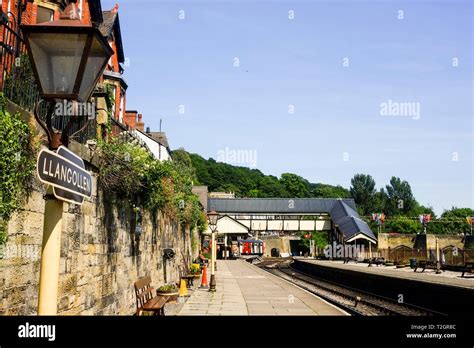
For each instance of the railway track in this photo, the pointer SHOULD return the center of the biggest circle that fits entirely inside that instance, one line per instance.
(354, 301)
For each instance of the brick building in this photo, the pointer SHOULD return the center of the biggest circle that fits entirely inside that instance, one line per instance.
(13, 13)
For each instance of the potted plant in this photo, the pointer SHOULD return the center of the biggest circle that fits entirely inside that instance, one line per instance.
(195, 269)
(167, 289)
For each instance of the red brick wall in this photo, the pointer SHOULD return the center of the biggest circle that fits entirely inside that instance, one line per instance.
(130, 119)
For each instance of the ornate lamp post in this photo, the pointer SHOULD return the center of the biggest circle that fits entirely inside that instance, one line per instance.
(212, 217)
(68, 57)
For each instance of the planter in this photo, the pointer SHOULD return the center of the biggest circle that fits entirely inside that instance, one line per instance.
(167, 292)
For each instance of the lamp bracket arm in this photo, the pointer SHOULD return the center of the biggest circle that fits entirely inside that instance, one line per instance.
(46, 127)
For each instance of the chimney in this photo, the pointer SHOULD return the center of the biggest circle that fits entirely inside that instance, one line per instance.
(148, 130)
(140, 125)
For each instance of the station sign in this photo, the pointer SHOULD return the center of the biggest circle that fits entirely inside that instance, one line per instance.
(66, 172)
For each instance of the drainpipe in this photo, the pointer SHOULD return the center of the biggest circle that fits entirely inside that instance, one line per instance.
(50, 256)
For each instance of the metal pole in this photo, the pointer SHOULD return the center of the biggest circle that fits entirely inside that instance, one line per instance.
(225, 246)
(50, 257)
(212, 283)
(438, 264)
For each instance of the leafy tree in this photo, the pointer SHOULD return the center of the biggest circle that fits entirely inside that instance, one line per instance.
(328, 191)
(295, 185)
(399, 198)
(364, 193)
(320, 239)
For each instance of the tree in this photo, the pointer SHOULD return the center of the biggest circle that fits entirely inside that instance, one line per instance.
(295, 185)
(328, 191)
(399, 198)
(363, 191)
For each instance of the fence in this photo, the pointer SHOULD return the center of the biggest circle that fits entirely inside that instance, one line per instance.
(17, 81)
(450, 255)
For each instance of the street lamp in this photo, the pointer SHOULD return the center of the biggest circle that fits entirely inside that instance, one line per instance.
(212, 217)
(67, 57)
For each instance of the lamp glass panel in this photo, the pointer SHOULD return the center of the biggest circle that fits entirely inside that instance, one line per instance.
(212, 219)
(57, 57)
(98, 56)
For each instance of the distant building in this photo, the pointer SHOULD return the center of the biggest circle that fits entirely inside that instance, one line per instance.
(156, 142)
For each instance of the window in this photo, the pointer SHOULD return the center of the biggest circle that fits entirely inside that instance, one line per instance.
(44, 15)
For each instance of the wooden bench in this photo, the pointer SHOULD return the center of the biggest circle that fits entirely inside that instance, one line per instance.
(376, 261)
(348, 259)
(425, 264)
(146, 300)
(467, 268)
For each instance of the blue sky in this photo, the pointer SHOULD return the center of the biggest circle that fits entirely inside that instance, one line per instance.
(336, 129)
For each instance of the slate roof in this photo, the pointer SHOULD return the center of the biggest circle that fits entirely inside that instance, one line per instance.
(275, 205)
(108, 22)
(159, 137)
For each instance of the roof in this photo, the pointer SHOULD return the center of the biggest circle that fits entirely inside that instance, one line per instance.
(342, 211)
(111, 25)
(275, 205)
(159, 137)
(349, 222)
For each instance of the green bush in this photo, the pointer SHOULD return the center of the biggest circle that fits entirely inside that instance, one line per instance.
(132, 173)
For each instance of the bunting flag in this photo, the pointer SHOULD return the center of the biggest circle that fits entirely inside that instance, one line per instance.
(379, 217)
(425, 218)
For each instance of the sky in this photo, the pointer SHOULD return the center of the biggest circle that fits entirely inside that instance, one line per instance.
(322, 89)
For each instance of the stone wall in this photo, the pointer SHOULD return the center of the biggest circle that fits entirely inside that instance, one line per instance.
(393, 240)
(281, 243)
(100, 257)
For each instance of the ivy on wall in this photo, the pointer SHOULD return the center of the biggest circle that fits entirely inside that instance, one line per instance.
(17, 163)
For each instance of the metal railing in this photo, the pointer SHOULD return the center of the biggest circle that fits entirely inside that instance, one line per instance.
(17, 81)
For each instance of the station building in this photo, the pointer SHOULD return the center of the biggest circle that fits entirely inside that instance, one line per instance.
(282, 218)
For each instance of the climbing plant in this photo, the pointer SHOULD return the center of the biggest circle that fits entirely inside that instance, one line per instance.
(131, 172)
(16, 164)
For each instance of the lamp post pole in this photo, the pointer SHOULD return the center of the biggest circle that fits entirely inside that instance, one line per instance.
(212, 217)
(50, 256)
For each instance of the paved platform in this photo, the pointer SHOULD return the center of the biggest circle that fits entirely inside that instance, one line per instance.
(446, 277)
(244, 289)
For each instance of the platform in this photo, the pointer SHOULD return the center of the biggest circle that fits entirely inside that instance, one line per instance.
(244, 289)
(449, 278)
